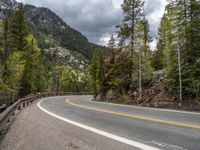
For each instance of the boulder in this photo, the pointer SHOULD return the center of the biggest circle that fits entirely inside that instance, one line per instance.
(157, 77)
(134, 85)
(98, 97)
(111, 94)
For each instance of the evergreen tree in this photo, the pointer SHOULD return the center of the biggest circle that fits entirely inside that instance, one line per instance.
(177, 23)
(18, 29)
(147, 38)
(108, 61)
(134, 36)
(96, 71)
(158, 57)
(191, 70)
(5, 49)
(118, 74)
(164, 46)
(182, 46)
(93, 70)
(5, 40)
(100, 71)
(132, 10)
(143, 54)
(29, 81)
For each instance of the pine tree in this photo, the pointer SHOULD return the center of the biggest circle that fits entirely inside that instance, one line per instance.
(100, 72)
(158, 57)
(108, 60)
(118, 74)
(5, 40)
(143, 54)
(191, 68)
(132, 10)
(184, 47)
(164, 46)
(18, 29)
(5, 49)
(93, 71)
(29, 80)
(176, 17)
(134, 35)
(146, 53)
(96, 71)
(147, 38)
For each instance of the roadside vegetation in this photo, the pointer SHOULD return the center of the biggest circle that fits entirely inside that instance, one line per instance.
(167, 77)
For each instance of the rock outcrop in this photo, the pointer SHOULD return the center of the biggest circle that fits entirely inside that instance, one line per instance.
(6, 6)
(66, 57)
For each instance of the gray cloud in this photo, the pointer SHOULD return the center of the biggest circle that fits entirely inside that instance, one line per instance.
(152, 5)
(154, 10)
(97, 18)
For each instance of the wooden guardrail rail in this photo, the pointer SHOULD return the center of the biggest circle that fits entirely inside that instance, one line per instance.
(7, 114)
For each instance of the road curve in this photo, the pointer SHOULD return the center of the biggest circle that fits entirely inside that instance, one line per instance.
(76, 122)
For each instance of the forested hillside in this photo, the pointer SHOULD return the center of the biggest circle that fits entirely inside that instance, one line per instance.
(166, 77)
(27, 67)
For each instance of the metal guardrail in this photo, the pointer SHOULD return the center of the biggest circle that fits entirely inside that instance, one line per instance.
(8, 113)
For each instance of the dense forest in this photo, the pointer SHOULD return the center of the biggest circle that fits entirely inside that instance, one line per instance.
(25, 68)
(126, 73)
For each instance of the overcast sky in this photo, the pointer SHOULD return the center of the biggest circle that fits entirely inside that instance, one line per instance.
(96, 19)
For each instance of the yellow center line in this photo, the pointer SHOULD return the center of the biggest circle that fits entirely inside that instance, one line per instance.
(135, 116)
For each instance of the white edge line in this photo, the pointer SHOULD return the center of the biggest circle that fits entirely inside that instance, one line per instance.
(147, 108)
(100, 132)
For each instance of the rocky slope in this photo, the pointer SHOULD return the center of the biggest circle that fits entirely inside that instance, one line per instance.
(6, 6)
(155, 94)
(66, 57)
(47, 26)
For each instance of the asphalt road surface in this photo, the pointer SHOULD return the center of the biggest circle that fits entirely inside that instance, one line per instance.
(76, 122)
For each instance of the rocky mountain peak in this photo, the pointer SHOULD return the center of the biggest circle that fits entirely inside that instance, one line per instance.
(8, 3)
(6, 6)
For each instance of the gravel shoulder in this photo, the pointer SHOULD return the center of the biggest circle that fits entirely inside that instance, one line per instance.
(33, 129)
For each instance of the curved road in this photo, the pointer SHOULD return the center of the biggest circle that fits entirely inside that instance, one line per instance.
(76, 122)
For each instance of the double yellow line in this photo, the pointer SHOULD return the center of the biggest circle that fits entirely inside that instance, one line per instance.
(135, 116)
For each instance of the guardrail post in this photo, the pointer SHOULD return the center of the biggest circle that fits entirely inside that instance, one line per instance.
(13, 113)
(20, 107)
(24, 104)
(11, 117)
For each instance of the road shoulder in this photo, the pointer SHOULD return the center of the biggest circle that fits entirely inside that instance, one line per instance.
(36, 130)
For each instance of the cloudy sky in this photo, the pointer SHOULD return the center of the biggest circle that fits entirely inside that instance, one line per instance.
(96, 19)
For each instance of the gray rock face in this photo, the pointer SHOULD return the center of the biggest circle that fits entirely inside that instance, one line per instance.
(67, 57)
(45, 20)
(6, 6)
(157, 77)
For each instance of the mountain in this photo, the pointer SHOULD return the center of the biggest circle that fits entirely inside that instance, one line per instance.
(6, 6)
(47, 26)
